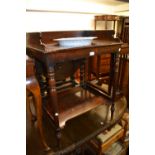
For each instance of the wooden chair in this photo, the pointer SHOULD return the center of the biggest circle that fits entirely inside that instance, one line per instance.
(106, 19)
(125, 30)
(33, 93)
(101, 63)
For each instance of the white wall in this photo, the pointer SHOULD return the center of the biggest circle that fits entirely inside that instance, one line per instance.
(122, 10)
(50, 21)
(69, 5)
(55, 15)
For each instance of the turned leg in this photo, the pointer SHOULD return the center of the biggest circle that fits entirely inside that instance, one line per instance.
(53, 99)
(115, 57)
(73, 76)
(124, 60)
(111, 82)
(89, 68)
(82, 73)
(98, 69)
(112, 65)
(112, 110)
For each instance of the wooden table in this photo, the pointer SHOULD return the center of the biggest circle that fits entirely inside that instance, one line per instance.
(46, 51)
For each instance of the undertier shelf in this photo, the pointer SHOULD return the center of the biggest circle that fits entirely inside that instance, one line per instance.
(74, 102)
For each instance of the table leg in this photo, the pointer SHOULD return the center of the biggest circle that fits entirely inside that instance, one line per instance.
(53, 100)
(124, 63)
(89, 67)
(82, 73)
(115, 85)
(98, 69)
(111, 77)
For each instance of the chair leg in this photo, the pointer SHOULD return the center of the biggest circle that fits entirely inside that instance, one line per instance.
(38, 103)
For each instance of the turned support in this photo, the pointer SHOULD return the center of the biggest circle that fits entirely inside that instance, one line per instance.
(124, 60)
(98, 69)
(111, 77)
(82, 73)
(53, 100)
(115, 62)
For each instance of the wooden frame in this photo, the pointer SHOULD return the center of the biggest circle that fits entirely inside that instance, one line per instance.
(45, 50)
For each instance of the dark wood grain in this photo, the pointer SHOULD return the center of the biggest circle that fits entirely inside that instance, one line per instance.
(125, 30)
(63, 108)
(32, 86)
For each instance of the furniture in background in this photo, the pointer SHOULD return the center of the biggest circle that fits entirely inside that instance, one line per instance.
(125, 30)
(123, 77)
(62, 106)
(105, 19)
(124, 57)
(101, 64)
(98, 67)
(33, 94)
(114, 140)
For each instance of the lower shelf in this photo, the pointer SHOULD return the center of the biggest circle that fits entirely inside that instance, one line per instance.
(74, 102)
